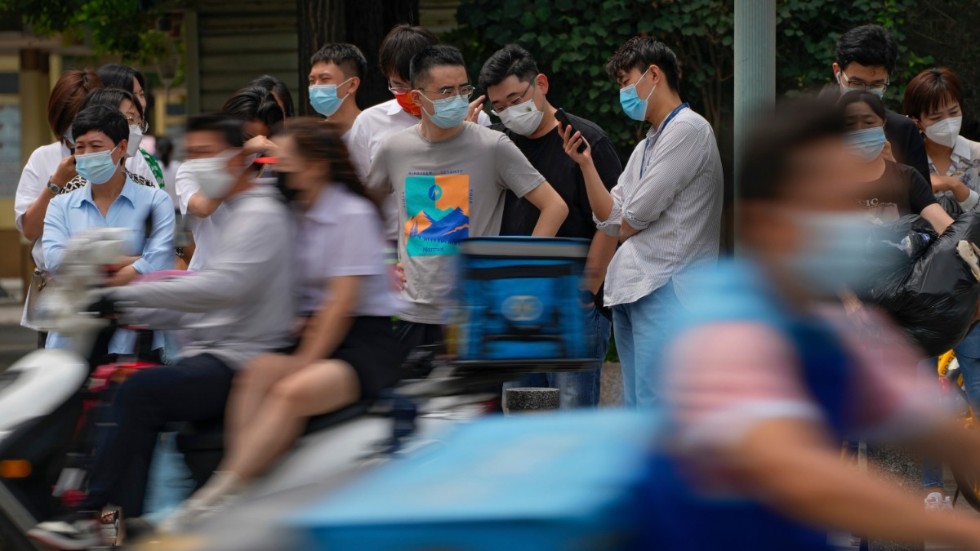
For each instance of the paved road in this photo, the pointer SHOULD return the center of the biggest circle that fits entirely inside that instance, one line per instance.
(15, 342)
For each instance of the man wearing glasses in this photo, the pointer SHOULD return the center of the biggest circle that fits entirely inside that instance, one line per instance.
(449, 177)
(518, 94)
(375, 124)
(865, 57)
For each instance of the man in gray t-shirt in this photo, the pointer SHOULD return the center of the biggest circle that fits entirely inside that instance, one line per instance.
(449, 178)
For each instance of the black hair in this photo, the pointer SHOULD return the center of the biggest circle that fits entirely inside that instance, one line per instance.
(399, 47)
(229, 126)
(507, 61)
(433, 56)
(111, 97)
(255, 102)
(279, 90)
(862, 96)
(346, 56)
(767, 160)
(639, 53)
(869, 45)
(165, 149)
(103, 118)
(114, 75)
(317, 140)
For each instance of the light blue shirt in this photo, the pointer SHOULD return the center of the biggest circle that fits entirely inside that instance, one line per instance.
(138, 208)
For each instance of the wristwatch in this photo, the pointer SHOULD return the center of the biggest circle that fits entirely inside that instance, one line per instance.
(54, 188)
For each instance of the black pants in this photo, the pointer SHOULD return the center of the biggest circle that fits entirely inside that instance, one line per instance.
(411, 335)
(194, 389)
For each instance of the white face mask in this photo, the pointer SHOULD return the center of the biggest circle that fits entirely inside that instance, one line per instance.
(523, 118)
(945, 131)
(135, 136)
(211, 174)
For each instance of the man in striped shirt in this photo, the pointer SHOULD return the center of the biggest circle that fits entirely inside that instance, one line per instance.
(665, 209)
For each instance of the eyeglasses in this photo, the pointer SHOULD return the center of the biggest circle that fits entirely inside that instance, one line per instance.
(446, 92)
(513, 99)
(858, 84)
(133, 119)
(398, 90)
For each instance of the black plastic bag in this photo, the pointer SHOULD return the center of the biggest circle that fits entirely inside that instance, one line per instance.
(934, 297)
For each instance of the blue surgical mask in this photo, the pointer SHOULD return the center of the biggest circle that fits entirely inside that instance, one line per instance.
(450, 112)
(96, 167)
(69, 139)
(835, 254)
(866, 144)
(634, 107)
(323, 98)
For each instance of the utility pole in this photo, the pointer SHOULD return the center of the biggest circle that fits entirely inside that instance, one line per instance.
(755, 72)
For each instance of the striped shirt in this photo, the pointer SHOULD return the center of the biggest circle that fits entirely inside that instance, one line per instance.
(672, 191)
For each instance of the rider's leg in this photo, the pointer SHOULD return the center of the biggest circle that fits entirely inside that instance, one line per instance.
(251, 387)
(321, 387)
(194, 389)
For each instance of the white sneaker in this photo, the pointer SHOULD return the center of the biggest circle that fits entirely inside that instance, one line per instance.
(192, 513)
(75, 531)
(935, 502)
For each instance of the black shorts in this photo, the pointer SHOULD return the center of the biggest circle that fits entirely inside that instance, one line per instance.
(372, 349)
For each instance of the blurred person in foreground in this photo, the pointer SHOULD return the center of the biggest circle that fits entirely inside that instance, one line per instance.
(766, 373)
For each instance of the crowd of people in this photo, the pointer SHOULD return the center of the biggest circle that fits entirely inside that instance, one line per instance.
(323, 247)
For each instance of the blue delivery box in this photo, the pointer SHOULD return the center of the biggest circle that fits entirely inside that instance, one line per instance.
(557, 481)
(521, 298)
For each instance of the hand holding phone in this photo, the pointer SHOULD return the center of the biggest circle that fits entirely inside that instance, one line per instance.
(562, 117)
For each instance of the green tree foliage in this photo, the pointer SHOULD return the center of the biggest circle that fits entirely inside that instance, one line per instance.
(943, 29)
(123, 27)
(573, 38)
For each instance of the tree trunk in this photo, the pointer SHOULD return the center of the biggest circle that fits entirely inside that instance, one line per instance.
(318, 22)
(363, 23)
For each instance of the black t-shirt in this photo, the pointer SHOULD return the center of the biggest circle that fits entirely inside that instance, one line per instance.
(901, 190)
(548, 156)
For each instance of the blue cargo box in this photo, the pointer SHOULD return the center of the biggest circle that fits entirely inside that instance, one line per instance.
(541, 481)
(521, 298)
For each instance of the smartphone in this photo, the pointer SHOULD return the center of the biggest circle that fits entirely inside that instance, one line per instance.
(562, 117)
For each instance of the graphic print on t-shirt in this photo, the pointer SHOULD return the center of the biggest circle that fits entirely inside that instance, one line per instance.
(438, 207)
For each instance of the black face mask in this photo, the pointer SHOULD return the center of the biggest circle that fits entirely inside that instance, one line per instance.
(287, 192)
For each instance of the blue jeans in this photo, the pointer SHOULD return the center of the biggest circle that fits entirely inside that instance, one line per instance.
(639, 331)
(968, 355)
(577, 389)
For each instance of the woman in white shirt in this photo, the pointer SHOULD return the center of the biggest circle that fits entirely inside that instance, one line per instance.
(49, 168)
(934, 100)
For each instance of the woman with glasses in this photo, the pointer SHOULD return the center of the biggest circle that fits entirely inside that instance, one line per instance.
(126, 78)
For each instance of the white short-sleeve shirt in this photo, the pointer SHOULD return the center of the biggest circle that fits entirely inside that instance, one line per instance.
(205, 230)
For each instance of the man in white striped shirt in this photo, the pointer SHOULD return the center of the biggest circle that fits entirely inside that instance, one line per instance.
(665, 209)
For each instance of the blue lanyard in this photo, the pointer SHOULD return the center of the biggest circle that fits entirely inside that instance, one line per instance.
(650, 143)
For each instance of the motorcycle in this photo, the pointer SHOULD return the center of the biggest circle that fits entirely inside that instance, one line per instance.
(41, 395)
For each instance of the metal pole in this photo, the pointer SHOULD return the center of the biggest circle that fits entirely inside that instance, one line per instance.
(755, 71)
